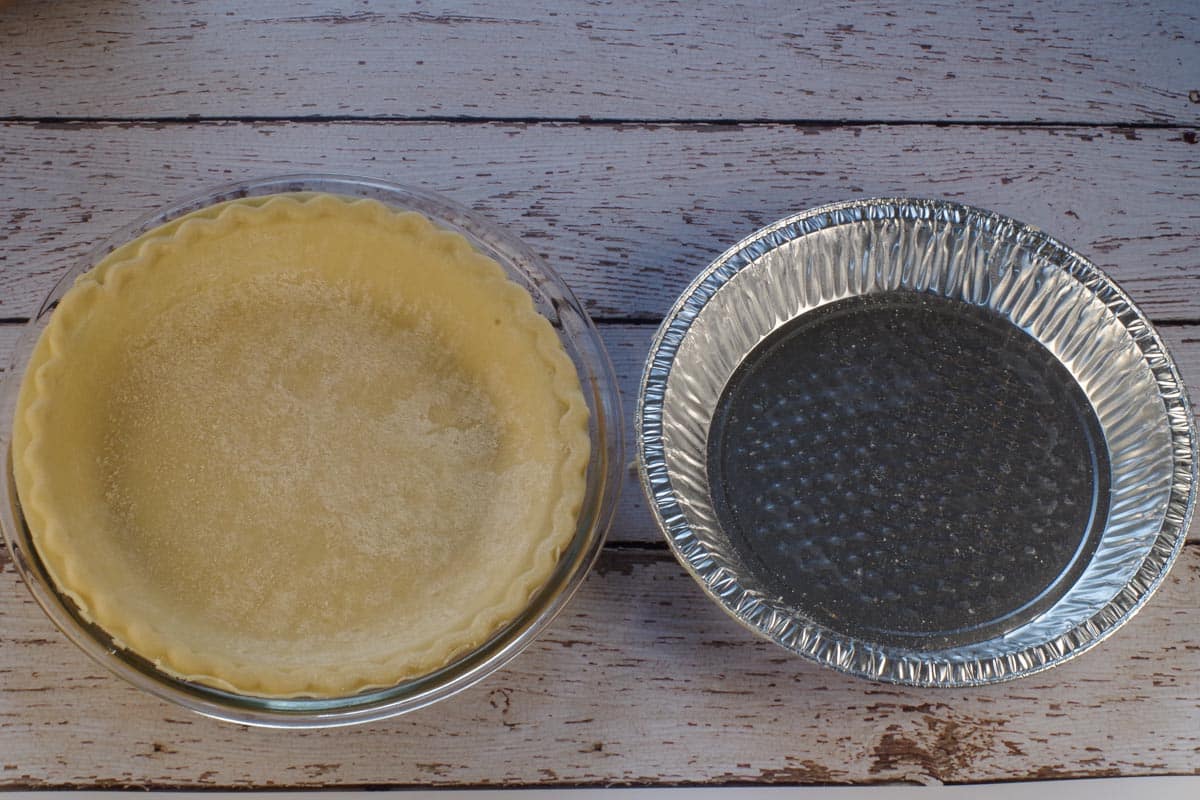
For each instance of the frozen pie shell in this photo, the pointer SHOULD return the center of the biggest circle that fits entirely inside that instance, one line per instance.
(299, 445)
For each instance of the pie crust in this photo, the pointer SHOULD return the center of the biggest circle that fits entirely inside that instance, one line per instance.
(299, 445)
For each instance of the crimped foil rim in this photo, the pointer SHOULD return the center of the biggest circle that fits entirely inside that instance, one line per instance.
(795, 632)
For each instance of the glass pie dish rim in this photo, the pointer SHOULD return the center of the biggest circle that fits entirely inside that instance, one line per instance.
(553, 299)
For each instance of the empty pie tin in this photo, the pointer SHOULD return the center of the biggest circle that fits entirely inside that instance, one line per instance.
(917, 442)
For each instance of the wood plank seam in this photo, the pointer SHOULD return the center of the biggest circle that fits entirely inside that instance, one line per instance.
(733, 122)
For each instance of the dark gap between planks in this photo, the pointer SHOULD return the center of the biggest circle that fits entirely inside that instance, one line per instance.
(799, 122)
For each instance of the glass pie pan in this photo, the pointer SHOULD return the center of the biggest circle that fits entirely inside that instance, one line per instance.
(854, 431)
(552, 298)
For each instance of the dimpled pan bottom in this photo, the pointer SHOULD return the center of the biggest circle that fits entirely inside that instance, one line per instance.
(909, 468)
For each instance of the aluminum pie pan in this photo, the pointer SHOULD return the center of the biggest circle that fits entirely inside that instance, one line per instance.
(1010, 271)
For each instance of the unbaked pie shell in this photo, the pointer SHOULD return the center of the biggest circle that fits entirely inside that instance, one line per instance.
(299, 445)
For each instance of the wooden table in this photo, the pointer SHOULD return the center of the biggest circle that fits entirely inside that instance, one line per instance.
(629, 146)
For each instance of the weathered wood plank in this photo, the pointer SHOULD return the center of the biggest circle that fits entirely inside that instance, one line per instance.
(890, 60)
(642, 680)
(628, 214)
(627, 346)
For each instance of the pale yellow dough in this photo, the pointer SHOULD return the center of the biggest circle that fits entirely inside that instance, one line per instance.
(300, 446)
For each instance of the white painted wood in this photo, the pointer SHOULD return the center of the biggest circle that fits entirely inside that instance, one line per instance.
(627, 346)
(644, 681)
(628, 214)
(644, 667)
(885, 60)
(1173, 787)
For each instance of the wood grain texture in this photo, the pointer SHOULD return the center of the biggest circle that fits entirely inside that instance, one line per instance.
(628, 345)
(629, 214)
(642, 680)
(888, 60)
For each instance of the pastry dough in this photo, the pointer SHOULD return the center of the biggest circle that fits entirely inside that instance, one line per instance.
(299, 445)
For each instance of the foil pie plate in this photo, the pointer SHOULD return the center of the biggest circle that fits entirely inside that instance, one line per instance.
(917, 442)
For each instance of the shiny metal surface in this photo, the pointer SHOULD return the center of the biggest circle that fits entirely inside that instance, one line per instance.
(1010, 272)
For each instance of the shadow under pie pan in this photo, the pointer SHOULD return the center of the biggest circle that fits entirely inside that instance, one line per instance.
(917, 442)
(451, 360)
